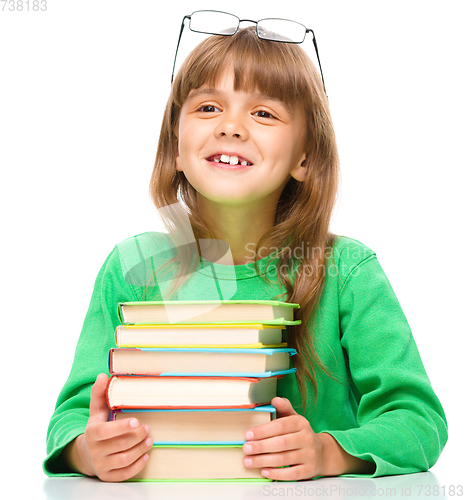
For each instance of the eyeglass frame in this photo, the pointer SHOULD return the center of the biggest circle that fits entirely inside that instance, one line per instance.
(307, 30)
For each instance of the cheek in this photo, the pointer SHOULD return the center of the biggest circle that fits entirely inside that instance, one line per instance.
(282, 148)
(189, 140)
(294, 146)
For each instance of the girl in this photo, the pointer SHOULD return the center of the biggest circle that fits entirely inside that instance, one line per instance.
(247, 145)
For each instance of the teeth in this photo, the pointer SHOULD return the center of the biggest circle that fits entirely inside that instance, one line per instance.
(232, 160)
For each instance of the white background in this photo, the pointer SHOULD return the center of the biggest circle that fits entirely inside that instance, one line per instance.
(83, 88)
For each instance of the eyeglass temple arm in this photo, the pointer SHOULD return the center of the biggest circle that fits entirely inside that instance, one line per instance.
(318, 58)
(177, 46)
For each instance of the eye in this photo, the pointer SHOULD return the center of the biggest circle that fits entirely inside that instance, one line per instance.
(209, 108)
(263, 114)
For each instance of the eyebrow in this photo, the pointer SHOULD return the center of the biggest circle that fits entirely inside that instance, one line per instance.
(255, 95)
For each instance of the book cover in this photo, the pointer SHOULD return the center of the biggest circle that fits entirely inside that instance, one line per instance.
(270, 312)
(253, 335)
(184, 361)
(199, 426)
(189, 392)
(196, 462)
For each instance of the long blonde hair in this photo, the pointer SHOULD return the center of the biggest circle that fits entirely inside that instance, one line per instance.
(284, 71)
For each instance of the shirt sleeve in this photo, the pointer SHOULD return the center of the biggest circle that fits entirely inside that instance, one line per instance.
(91, 358)
(402, 425)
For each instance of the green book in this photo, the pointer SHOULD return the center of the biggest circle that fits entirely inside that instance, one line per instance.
(268, 312)
(197, 463)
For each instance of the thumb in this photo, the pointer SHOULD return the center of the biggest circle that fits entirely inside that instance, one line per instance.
(98, 403)
(283, 407)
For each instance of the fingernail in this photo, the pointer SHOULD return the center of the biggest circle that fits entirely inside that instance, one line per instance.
(248, 462)
(134, 423)
(147, 428)
(265, 473)
(146, 457)
(247, 448)
(249, 435)
(148, 442)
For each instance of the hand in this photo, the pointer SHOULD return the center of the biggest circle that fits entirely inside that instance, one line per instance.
(290, 441)
(287, 441)
(112, 451)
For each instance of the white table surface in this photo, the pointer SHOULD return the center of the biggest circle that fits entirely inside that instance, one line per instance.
(421, 485)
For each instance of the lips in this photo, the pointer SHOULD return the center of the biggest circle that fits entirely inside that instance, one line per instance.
(229, 159)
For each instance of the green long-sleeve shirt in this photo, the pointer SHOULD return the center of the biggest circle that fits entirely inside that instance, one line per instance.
(379, 404)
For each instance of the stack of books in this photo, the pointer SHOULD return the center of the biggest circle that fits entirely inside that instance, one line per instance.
(200, 374)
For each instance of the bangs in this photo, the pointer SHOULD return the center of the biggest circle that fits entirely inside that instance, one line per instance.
(280, 70)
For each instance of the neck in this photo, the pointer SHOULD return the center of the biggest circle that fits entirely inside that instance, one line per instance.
(239, 226)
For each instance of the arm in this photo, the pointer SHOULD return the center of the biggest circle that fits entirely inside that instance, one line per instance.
(336, 461)
(71, 416)
(401, 424)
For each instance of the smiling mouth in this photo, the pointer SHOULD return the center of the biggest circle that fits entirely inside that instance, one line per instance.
(229, 160)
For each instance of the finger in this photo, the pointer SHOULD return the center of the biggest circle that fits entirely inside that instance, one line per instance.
(122, 442)
(105, 431)
(294, 473)
(283, 407)
(278, 427)
(117, 475)
(293, 457)
(125, 458)
(99, 410)
(275, 444)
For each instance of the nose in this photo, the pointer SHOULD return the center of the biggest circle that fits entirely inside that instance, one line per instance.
(232, 125)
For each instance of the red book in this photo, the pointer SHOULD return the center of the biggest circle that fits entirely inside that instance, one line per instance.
(189, 392)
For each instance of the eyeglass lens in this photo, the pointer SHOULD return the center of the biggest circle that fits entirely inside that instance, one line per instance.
(281, 30)
(215, 23)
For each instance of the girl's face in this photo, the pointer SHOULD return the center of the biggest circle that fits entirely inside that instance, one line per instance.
(239, 148)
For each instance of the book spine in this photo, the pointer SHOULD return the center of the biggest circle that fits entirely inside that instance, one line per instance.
(182, 407)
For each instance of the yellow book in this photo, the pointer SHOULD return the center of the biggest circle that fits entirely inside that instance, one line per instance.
(253, 335)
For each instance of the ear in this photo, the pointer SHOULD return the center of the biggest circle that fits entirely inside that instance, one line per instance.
(299, 173)
(178, 158)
